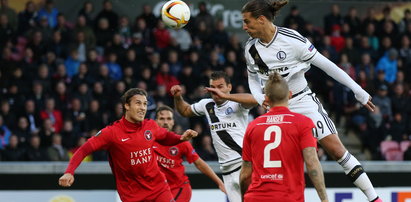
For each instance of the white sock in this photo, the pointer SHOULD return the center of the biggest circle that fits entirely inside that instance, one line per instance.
(356, 173)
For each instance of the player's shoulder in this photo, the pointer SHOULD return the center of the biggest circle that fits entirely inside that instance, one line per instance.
(291, 34)
(250, 42)
(148, 123)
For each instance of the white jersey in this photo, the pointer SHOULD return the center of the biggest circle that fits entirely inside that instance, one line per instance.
(288, 53)
(228, 123)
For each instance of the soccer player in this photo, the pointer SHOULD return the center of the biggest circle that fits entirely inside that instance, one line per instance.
(170, 160)
(227, 120)
(129, 142)
(277, 49)
(276, 145)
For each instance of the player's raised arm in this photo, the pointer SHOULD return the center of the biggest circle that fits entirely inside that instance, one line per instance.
(315, 172)
(245, 177)
(182, 106)
(339, 75)
(245, 99)
(205, 168)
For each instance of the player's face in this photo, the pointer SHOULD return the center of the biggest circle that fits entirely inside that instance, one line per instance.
(252, 25)
(136, 108)
(165, 119)
(221, 85)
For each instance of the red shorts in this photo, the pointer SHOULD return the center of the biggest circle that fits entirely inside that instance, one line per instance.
(166, 196)
(183, 193)
(275, 197)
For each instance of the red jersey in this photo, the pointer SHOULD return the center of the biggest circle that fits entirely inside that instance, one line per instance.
(170, 161)
(131, 157)
(273, 143)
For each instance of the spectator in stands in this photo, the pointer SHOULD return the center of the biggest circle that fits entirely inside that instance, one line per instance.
(147, 15)
(82, 26)
(56, 151)
(99, 93)
(12, 152)
(115, 71)
(37, 45)
(294, 18)
(161, 35)
(373, 40)
(353, 21)
(9, 118)
(77, 115)
(388, 63)
(22, 131)
(351, 51)
(9, 12)
(80, 141)
(49, 12)
(87, 11)
(164, 77)
(31, 114)
(203, 17)
(387, 26)
(6, 30)
(52, 114)
(82, 76)
(72, 63)
(108, 14)
(405, 21)
(367, 66)
(333, 18)
(398, 128)
(57, 45)
(383, 102)
(34, 152)
(5, 133)
(94, 116)
(64, 27)
(61, 96)
(105, 34)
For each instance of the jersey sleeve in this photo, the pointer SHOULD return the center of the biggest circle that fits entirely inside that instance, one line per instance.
(306, 131)
(190, 153)
(199, 107)
(162, 136)
(305, 50)
(247, 143)
(102, 139)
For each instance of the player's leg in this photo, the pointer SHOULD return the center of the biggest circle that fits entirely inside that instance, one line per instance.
(232, 186)
(183, 193)
(326, 133)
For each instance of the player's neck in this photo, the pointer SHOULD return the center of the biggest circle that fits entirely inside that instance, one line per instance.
(129, 119)
(268, 34)
(279, 105)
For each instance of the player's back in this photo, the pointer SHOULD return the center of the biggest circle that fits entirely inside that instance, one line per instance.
(274, 143)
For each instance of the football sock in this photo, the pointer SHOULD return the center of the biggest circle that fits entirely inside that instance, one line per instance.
(357, 175)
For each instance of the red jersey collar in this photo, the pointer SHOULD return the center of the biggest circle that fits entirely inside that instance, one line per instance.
(279, 109)
(130, 127)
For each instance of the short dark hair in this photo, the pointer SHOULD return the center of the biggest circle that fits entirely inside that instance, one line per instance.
(163, 108)
(266, 8)
(125, 98)
(220, 74)
(276, 88)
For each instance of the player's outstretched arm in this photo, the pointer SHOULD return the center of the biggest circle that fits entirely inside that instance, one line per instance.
(182, 106)
(66, 180)
(205, 168)
(315, 172)
(245, 99)
(245, 177)
(338, 74)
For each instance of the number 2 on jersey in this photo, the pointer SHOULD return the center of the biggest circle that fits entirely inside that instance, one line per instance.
(277, 140)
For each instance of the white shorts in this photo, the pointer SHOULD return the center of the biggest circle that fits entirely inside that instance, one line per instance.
(309, 105)
(232, 186)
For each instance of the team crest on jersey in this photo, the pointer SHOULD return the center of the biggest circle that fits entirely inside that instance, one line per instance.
(173, 151)
(281, 55)
(229, 111)
(148, 135)
(97, 134)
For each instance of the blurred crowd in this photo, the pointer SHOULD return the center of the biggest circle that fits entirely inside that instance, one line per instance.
(61, 81)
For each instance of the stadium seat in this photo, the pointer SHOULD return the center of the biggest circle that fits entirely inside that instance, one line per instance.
(391, 151)
(404, 145)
